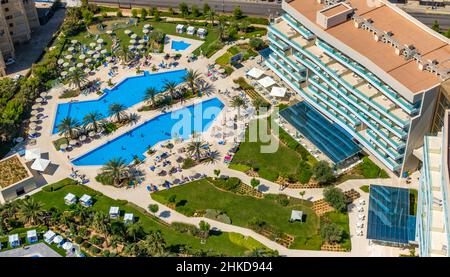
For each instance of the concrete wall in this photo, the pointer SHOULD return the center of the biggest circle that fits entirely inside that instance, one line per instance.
(420, 126)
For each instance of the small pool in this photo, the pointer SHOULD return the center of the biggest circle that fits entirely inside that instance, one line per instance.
(181, 122)
(179, 45)
(128, 93)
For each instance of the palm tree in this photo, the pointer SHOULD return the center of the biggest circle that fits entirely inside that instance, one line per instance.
(68, 127)
(101, 222)
(211, 15)
(150, 94)
(237, 102)
(191, 77)
(117, 110)
(135, 230)
(91, 120)
(31, 212)
(204, 230)
(196, 148)
(115, 170)
(154, 244)
(83, 214)
(124, 54)
(171, 87)
(77, 78)
(221, 29)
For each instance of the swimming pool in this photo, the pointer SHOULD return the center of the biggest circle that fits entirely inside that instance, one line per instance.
(128, 93)
(179, 45)
(182, 122)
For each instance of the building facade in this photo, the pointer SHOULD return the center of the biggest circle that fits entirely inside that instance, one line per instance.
(17, 20)
(366, 66)
(432, 225)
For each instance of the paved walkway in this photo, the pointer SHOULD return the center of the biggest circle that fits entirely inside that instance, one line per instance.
(34, 250)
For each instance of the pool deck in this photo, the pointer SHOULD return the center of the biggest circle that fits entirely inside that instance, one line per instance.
(39, 249)
(140, 196)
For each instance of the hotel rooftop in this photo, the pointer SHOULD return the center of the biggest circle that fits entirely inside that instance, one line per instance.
(384, 21)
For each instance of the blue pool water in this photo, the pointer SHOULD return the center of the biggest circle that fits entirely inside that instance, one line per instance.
(330, 138)
(129, 92)
(179, 45)
(182, 122)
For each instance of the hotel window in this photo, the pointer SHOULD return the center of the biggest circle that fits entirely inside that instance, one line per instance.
(8, 17)
(4, 1)
(6, 9)
(11, 25)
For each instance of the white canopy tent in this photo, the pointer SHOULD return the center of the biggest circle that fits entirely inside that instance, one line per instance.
(86, 200)
(70, 199)
(266, 81)
(114, 212)
(296, 215)
(58, 239)
(31, 154)
(67, 245)
(255, 73)
(180, 28)
(190, 30)
(201, 32)
(49, 236)
(40, 164)
(128, 218)
(278, 92)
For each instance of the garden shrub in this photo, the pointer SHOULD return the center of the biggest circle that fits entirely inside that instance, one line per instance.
(94, 250)
(78, 240)
(304, 172)
(223, 217)
(185, 228)
(231, 184)
(188, 163)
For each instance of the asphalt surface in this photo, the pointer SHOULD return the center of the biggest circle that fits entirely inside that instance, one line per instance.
(252, 7)
(428, 19)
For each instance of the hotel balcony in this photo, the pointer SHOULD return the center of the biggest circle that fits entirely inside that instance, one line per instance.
(288, 68)
(334, 70)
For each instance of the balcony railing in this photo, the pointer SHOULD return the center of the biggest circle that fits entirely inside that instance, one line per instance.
(346, 85)
(283, 56)
(287, 69)
(304, 32)
(392, 165)
(394, 155)
(409, 108)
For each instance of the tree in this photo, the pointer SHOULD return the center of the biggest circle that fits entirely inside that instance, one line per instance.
(262, 252)
(217, 172)
(256, 43)
(323, 173)
(31, 212)
(171, 11)
(172, 198)
(171, 87)
(195, 148)
(237, 102)
(90, 121)
(206, 8)
(68, 127)
(195, 11)
(154, 244)
(237, 13)
(143, 13)
(184, 9)
(336, 198)
(302, 193)
(153, 208)
(156, 15)
(221, 28)
(135, 230)
(150, 94)
(244, 25)
(254, 182)
(211, 15)
(134, 13)
(115, 170)
(331, 232)
(77, 78)
(204, 230)
(101, 223)
(117, 110)
(258, 103)
(436, 26)
(192, 77)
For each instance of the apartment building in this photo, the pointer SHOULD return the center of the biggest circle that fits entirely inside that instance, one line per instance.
(17, 20)
(433, 202)
(366, 66)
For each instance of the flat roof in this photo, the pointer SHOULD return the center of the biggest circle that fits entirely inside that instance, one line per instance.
(12, 171)
(404, 30)
(334, 10)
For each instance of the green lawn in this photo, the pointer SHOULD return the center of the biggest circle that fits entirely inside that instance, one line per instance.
(219, 244)
(283, 162)
(342, 220)
(201, 195)
(365, 188)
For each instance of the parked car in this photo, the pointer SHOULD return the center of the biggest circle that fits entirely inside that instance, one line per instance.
(10, 61)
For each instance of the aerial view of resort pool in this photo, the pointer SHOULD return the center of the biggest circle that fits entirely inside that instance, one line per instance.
(195, 118)
(128, 93)
(179, 45)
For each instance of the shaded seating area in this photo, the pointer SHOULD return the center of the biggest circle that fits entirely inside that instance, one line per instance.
(86, 200)
(14, 240)
(70, 199)
(49, 236)
(32, 236)
(114, 212)
(128, 218)
(296, 216)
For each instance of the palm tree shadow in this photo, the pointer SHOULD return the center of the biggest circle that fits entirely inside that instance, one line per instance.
(213, 157)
